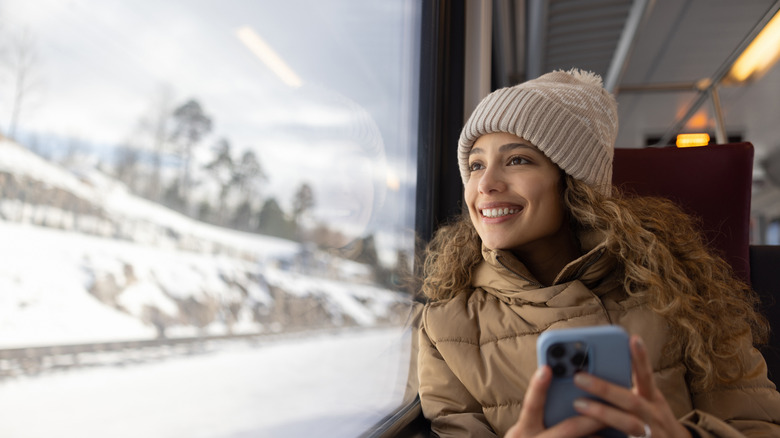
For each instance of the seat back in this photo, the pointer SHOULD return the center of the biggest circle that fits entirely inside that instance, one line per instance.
(712, 183)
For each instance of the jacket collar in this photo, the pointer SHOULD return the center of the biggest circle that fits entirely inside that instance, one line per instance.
(502, 274)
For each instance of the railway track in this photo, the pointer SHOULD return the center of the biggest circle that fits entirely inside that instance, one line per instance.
(34, 360)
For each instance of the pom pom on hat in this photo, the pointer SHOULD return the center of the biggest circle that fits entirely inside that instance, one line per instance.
(569, 116)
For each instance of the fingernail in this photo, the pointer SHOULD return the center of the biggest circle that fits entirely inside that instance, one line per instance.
(581, 404)
(582, 379)
(539, 373)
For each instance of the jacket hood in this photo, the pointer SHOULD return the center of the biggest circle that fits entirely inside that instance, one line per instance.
(503, 275)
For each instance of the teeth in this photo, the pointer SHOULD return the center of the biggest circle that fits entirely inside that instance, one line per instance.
(497, 212)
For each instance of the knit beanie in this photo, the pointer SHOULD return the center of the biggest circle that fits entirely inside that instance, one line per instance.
(569, 116)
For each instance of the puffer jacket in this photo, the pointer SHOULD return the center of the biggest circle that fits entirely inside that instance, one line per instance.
(477, 351)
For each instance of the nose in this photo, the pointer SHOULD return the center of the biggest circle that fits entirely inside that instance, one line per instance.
(491, 181)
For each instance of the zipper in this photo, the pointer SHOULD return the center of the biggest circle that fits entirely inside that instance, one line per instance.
(585, 266)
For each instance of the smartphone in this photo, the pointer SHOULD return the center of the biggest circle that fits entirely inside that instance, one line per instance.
(601, 351)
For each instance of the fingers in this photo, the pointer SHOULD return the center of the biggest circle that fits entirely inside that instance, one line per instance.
(530, 423)
(642, 368)
(619, 396)
(535, 397)
(630, 410)
(614, 417)
(624, 411)
(579, 426)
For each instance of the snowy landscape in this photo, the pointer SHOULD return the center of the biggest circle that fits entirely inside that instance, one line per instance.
(127, 269)
(192, 246)
(131, 269)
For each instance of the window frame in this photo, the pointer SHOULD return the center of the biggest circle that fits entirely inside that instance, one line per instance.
(439, 186)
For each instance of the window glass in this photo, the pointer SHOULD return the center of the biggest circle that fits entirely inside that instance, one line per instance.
(206, 211)
(773, 233)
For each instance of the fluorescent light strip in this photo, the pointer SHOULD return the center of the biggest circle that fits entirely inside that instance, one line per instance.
(760, 55)
(270, 58)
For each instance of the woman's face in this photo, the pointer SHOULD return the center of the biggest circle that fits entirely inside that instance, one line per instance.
(514, 194)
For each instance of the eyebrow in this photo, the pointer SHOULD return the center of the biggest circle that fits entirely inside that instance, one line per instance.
(503, 148)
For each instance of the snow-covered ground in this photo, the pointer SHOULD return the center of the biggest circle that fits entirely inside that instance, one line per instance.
(329, 385)
(46, 275)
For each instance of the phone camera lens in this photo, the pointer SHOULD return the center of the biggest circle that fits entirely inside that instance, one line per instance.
(580, 360)
(557, 351)
(559, 370)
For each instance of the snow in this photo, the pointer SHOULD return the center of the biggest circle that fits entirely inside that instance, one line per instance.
(47, 274)
(20, 161)
(276, 388)
(142, 256)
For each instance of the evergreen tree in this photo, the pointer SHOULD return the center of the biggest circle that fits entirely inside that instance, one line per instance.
(303, 201)
(222, 170)
(272, 221)
(191, 124)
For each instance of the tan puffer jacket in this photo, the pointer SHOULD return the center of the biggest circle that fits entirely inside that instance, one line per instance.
(477, 351)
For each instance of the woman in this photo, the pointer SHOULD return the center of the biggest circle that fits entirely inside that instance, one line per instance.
(546, 245)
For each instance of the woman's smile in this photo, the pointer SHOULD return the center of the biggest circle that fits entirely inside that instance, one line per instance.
(499, 212)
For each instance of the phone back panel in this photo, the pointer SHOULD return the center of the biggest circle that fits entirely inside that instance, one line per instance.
(607, 356)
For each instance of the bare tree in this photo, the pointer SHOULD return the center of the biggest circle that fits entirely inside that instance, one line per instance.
(127, 159)
(158, 127)
(21, 63)
(249, 176)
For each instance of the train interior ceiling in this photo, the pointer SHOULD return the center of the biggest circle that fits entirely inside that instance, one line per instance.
(669, 62)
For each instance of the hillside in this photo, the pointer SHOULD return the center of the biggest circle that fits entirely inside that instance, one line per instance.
(84, 260)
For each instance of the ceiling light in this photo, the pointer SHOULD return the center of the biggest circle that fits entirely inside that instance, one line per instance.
(272, 60)
(760, 55)
(692, 140)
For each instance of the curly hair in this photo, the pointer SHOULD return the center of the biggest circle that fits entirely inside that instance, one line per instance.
(662, 255)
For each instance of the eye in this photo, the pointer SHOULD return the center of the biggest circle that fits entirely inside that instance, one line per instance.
(517, 160)
(476, 165)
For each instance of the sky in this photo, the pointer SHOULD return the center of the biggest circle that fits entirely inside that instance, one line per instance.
(102, 66)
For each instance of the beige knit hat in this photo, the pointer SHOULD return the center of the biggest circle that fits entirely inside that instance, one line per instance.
(569, 116)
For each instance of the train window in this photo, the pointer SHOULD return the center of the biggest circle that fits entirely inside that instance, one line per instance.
(773, 233)
(207, 214)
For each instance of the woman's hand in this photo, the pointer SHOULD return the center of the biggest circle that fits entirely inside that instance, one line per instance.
(641, 411)
(530, 423)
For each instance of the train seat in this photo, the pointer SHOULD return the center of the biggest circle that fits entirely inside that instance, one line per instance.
(714, 184)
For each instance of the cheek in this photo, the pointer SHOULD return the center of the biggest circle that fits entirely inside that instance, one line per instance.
(550, 202)
(469, 193)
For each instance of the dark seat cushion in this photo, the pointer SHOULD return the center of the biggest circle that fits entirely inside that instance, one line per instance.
(764, 275)
(712, 183)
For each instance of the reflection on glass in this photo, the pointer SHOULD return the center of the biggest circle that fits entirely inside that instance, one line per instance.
(206, 213)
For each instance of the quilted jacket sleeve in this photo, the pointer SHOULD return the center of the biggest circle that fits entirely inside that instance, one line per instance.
(747, 408)
(449, 406)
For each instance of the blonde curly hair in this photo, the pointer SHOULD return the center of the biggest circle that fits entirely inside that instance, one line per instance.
(661, 254)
